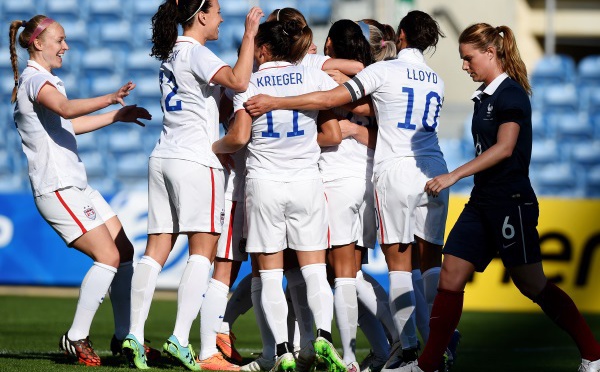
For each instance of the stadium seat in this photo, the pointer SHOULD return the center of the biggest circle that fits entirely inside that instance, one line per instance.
(142, 11)
(12, 183)
(269, 5)
(67, 10)
(538, 125)
(77, 33)
(117, 35)
(105, 184)
(544, 152)
(122, 139)
(592, 183)
(557, 179)
(100, 61)
(143, 35)
(317, 12)
(586, 154)
(560, 98)
(139, 64)
(588, 71)
(95, 163)
(572, 128)
(21, 9)
(92, 141)
(109, 10)
(554, 69)
(236, 8)
(106, 83)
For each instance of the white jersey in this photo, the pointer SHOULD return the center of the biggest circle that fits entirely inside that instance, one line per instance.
(314, 60)
(407, 96)
(190, 104)
(48, 140)
(284, 142)
(350, 158)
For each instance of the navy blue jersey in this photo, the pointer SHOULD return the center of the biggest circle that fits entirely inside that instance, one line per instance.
(509, 179)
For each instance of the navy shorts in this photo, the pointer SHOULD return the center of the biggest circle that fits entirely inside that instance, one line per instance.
(484, 230)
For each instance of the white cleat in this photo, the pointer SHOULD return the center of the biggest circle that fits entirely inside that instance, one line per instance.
(259, 364)
(589, 366)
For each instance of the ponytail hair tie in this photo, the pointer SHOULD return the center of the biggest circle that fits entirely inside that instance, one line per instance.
(24, 23)
(383, 43)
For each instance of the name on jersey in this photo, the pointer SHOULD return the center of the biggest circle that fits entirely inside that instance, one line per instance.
(280, 80)
(420, 75)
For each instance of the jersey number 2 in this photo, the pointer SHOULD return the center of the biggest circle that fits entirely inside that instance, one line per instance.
(176, 104)
(409, 110)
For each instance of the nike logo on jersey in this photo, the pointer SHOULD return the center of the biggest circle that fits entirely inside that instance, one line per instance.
(507, 245)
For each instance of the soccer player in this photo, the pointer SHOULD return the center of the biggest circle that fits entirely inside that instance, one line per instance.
(502, 213)
(186, 181)
(285, 199)
(48, 122)
(407, 96)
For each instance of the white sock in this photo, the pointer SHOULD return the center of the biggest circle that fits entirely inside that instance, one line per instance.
(120, 297)
(239, 303)
(274, 304)
(421, 309)
(268, 340)
(431, 279)
(346, 314)
(402, 298)
(374, 332)
(192, 288)
(211, 316)
(91, 294)
(319, 295)
(143, 284)
(297, 288)
(375, 299)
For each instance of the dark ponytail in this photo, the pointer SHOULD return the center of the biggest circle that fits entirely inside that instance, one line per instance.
(348, 42)
(421, 30)
(287, 41)
(164, 23)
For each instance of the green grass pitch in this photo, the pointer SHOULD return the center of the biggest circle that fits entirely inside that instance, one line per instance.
(30, 328)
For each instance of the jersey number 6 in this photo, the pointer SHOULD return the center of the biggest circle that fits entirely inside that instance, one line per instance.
(409, 110)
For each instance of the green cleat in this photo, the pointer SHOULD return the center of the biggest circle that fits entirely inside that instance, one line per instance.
(284, 363)
(327, 353)
(135, 353)
(185, 355)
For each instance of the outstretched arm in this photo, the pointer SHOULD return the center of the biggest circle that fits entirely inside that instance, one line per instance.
(502, 149)
(55, 101)
(324, 100)
(127, 114)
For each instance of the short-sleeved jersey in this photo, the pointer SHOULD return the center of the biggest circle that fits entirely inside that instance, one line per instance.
(502, 101)
(314, 60)
(407, 96)
(48, 140)
(190, 103)
(350, 158)
(284, 142)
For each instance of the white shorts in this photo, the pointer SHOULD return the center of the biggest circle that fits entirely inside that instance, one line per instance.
(278, 210)
(72, 211)
(184, 196)
(404, 209)
(232, 244)
(351, 208)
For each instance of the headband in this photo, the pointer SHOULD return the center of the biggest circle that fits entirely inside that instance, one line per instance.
(196, 12)
(38, 30)
(365, 30)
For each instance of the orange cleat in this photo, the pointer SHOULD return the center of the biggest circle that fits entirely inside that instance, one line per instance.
(225, 345)
(217, 362)
(81, 349)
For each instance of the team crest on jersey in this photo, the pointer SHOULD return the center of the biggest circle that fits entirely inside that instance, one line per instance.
(89, 212)
(490, 108)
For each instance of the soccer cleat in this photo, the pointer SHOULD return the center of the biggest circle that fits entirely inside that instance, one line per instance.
(353, 367)
(116, 347)
(284, 363)
(217, 362)
(327, 353)
(225, 345)
(185, 355)
(372, 363)
(259, 364)
(134, 352)
(589, 366)
(411, 367)
(403, 358)
(395, 358)
(81, 349)
(305, 359)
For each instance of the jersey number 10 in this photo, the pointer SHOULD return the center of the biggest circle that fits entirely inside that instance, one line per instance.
(409, 110)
